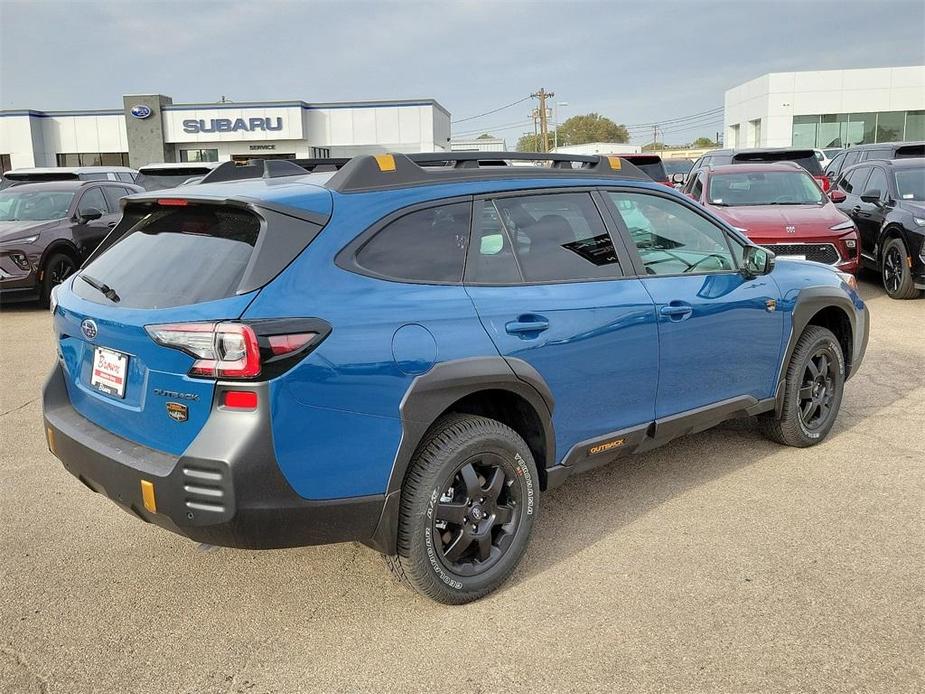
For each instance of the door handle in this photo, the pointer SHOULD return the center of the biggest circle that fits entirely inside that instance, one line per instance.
(527, 324)
(856, 209)
(676, 310)
(111, 225)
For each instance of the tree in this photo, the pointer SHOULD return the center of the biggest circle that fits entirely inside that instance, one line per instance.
(592, 127)
(704, 142)
(485, 136)
(533, 143)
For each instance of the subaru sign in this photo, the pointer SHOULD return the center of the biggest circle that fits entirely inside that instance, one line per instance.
(140, 111)
(227, 125)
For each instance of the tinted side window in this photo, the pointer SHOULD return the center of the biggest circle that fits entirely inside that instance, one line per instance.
(491, 260)
(853, 181)
(671, 238)
(94, 177)
(113, 194)
(852, 157)
(834, 166)
(558, 237)
(424, 246)
(877, 181)
(697, 189)
(126, 177)
(92, 199)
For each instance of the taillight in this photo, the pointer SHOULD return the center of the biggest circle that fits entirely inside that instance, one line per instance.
(823, 183)
(222, 350)
(242, 350)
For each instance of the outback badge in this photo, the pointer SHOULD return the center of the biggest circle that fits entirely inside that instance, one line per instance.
(177, 411)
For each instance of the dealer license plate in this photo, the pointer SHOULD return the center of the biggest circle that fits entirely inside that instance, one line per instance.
(109, 370)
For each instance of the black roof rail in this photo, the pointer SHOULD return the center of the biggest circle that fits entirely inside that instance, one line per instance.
(255, 168)
(382, 171)
(321, 164)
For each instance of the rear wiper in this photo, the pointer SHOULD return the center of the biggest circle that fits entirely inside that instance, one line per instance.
(101, 287)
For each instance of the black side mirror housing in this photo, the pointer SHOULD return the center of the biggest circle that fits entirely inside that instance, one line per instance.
(89, 214)
(872, 196)
(758, 261)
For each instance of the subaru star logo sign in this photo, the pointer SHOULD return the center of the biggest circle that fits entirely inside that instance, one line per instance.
(88, 328)
(140, 111)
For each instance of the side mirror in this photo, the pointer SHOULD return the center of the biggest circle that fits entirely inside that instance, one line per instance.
(872, 196)
(677, 178)
(836, 195)
(758, 261)
(88, 214)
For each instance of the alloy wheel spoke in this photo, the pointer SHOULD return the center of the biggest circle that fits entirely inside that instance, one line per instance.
(495, 484)
(806, 392)
(503, 514)
(808, 409)
(458, 546)
(812, 368)
(452, 512)
(823, 365)
(471, 479)
(484, 547)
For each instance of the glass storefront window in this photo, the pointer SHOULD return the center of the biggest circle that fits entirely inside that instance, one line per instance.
(833, 130)
(862, 128)
(890, 126)
(915, 126)
(804, 131)
(92, 159)
(188, 155)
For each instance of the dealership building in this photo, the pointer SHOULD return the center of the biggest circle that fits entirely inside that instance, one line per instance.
(151, 128)
(827, 108)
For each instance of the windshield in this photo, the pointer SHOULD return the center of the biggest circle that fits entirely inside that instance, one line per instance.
(764, 188)
(167, 180)
(34, 206)
(910, 184)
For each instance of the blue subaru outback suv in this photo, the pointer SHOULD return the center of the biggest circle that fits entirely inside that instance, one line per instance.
(407, 350)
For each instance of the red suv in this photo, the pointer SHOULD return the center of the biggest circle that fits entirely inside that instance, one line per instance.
(779, 206)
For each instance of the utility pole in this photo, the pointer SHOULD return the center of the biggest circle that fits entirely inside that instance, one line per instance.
(542, 115)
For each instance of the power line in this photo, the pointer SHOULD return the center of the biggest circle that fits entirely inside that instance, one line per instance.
(503, 126)
(674, 120)
(495, 110)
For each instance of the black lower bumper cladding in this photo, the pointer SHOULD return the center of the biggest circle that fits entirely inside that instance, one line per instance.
(226, 489)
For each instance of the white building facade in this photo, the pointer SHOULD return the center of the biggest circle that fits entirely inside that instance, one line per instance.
(827, 108)
(151, 128)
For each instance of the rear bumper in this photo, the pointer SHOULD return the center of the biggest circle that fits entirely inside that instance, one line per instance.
(226, 489)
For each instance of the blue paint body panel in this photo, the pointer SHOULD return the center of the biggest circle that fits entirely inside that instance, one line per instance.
(609, 358)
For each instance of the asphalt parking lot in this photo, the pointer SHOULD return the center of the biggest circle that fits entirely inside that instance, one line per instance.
(720, 563)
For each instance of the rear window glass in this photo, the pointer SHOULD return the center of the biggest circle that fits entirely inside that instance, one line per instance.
(168, 178)
(805, 158)
(650, 166)
(910, 151)
(424, 246)
(175, 257)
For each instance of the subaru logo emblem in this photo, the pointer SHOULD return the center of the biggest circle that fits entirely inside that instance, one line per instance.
(88, 328)
(140, 111)
(790, 229)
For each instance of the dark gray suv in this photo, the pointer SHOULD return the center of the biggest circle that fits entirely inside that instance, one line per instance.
(48, 229)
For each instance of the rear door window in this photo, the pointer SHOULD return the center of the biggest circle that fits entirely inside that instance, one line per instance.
(853, 181)
(92, 200)
(427, 245)
(175, 257)
(113, 195)
(877, 181)
(558, 237)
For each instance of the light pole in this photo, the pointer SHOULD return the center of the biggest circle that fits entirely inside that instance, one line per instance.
(556, 134)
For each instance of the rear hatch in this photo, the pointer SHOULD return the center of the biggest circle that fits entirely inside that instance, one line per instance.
(191, 266)
(804, 157)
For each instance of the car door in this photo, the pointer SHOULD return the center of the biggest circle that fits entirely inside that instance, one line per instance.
(93, 220)
(869, 216)
(852, 183)
(720, 334)
(552, 290)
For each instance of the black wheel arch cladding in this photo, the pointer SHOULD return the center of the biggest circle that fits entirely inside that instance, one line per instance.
(433, 394)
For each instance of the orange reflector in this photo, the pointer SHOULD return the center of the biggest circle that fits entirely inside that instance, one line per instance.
(147, 495)
(386, 162)
(615, 163)
(50, 435)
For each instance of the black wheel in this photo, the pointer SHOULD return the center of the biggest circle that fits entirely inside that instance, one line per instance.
(468, 503)
(897, 276)
(815, 381)
(57, 269)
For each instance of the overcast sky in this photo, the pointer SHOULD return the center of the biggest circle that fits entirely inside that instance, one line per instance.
(635, 62)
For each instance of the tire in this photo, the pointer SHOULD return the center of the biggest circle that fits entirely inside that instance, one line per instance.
(462, 529)
(895, 271)
(57, 268)
(815, 382)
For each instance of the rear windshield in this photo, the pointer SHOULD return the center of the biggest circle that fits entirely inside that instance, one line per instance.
(34, 177)
(764, 188)
(805, 158)
(910, 151)
(681, 166)
(169, 178)
(910, 184)
(650, 166)
(175, 257)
